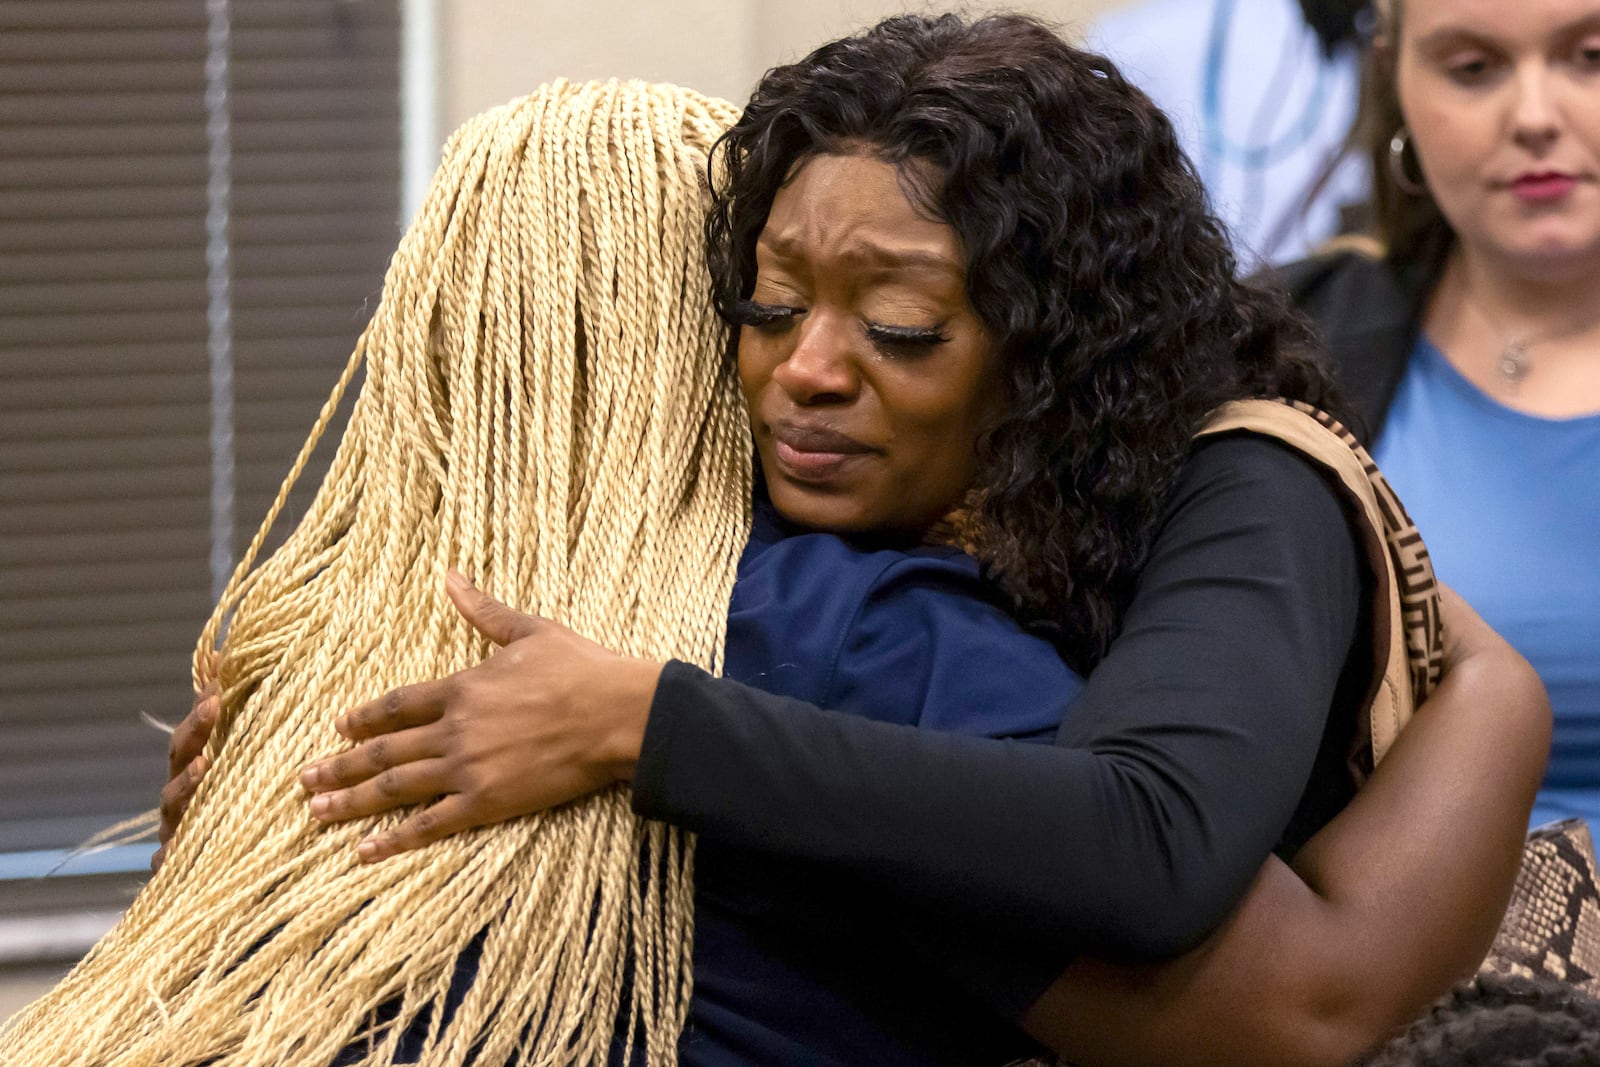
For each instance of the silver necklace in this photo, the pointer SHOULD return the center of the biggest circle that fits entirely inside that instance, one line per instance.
(1514, 362)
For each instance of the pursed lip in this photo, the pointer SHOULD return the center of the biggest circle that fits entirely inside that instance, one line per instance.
(1543, 184)
(814, 453)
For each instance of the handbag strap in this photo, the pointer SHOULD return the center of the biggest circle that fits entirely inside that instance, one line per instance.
(1408, 638)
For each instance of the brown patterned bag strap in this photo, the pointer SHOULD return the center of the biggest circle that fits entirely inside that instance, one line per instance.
(1408, 640)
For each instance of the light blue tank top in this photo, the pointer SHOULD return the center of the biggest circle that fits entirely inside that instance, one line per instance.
(1509, 505)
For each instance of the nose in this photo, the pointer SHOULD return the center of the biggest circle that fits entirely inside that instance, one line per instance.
(1536, 122)
(821, 368)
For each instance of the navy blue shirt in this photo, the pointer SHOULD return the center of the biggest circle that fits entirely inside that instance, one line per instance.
(797, 963)
(793, 963)
(1201, 734)
(1201, 742)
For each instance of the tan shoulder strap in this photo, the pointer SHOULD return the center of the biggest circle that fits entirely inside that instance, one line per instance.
(1408, 645)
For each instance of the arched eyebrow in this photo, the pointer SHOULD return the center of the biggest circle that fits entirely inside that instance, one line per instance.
(1457, 36)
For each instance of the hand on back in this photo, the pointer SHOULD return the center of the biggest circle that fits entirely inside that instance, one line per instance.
(549, 717)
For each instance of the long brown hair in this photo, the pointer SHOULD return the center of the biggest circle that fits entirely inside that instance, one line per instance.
(1409, 225)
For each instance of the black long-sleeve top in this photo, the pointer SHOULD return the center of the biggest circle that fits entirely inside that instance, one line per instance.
(1202, 742)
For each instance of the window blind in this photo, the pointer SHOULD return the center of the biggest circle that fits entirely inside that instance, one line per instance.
(107, 390)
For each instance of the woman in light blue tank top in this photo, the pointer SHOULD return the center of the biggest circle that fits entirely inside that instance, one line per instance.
(1472, 345)
(1509, 504)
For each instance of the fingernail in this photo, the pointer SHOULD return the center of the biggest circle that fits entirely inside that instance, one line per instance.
(208, 709)
(367, 850)
(319, 805)
(197, 767)
(341, 725)
(456, 580)
(308, 776)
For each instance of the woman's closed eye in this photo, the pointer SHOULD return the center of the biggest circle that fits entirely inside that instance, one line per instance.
(767, 317)
(905, 340)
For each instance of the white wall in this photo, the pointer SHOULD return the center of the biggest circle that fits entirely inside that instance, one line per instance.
(492, 50)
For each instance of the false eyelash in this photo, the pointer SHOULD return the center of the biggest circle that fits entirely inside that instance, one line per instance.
(750, 313)
(908, 336)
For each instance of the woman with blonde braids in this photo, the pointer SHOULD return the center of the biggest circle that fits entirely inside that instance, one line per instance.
(875, 892)
(606, 485)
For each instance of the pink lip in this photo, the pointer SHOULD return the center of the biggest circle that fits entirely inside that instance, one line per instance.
(1543, 186)
(814, 453)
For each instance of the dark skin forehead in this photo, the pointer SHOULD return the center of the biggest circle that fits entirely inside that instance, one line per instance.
(871, 224)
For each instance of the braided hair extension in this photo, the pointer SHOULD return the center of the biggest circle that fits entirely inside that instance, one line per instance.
(545, 408)
(1504, 1021)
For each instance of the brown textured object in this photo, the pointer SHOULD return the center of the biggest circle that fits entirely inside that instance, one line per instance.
(1408, 638)
(1552, 925)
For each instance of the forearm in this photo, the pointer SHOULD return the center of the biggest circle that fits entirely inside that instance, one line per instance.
(1394, 901)
(1134, 835)
(1015, 832)
(1420, 872)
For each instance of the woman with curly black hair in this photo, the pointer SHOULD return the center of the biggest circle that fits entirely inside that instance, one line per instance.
(980, 302)
(1106, 288)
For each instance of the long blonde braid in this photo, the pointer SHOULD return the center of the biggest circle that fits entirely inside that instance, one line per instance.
(546, 408)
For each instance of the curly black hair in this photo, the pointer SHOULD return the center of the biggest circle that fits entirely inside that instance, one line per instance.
(1504, 1021)
(1109, 291)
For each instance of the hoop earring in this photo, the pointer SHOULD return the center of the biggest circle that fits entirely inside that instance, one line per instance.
(1397, 164)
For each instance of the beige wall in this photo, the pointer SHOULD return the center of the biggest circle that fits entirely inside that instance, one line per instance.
(492, 50)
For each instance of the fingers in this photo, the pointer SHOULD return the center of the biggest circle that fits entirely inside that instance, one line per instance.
(175, 797)
(369, 760)
(189, 737)
(450, 815)
(399, 709)
(488, 616)
(396, 787)
(177, 793)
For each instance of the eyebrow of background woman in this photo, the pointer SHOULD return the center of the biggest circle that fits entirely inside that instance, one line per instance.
(1463, 34)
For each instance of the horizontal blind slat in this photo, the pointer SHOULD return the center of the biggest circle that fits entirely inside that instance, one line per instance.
(75, 701)
(96, 109)
(64, 301)
(163, 200)
(100, 76)
(58, 486)
(156, 231)
(103, 172)
(42, 645)
(35, 268)
(73, 357)
(108, 327)
(189, 602)
(109, 454)
(101, 14)
(192, 507)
